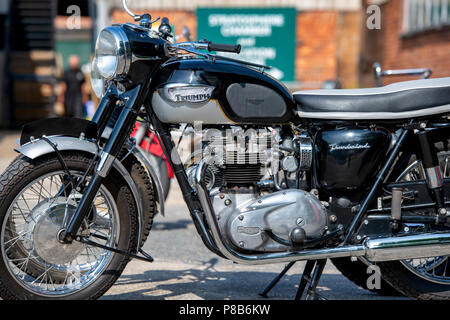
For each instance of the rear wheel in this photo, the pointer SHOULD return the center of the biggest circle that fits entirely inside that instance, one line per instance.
(356, 271)
(427, 278)
(35, 205)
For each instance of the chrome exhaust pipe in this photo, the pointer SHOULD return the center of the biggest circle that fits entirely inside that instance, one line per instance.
(375, 250)
(407, 247)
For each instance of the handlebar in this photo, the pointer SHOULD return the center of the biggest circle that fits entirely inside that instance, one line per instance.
(165, 30)
(206, 45)
(224, 47)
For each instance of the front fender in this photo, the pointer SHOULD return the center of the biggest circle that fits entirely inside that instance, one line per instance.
(39, 147)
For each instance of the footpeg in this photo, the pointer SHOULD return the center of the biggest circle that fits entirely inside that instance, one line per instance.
(146, 257)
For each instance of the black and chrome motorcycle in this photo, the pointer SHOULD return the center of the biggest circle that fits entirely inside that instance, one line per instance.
(276, 177)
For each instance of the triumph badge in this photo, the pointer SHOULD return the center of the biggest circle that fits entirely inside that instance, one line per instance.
(186, 93)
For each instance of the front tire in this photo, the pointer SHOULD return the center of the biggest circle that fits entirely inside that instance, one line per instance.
(28, 269)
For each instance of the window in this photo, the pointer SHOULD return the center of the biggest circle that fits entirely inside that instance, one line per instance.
(422, 15)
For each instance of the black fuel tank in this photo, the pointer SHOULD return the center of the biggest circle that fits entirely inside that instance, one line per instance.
(347, 158)
(218, 92)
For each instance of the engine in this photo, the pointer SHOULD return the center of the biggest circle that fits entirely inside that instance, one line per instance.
(258, 205)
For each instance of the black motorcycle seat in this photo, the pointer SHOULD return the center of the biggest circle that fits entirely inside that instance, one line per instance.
(401, 100)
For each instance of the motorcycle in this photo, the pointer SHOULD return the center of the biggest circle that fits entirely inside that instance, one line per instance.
(277, 176)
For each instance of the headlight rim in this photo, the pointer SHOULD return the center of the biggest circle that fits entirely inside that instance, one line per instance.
(122, 48)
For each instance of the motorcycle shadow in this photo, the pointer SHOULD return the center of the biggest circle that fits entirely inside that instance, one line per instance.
(175, 225)
(205, 282)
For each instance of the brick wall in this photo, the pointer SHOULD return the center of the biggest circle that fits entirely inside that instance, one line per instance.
(316, 48)
(430, 49)
(348, 43)
(328, 45)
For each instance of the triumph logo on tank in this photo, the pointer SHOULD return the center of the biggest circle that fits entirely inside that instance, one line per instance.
(349, 146)
(183, 93)
(201, 97)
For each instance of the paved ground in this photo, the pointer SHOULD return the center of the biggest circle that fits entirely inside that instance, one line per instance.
(185, 269)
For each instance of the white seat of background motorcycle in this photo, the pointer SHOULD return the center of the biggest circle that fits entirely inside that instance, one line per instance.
(401, 100)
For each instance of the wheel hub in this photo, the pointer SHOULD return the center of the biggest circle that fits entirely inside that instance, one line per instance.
(46, 232)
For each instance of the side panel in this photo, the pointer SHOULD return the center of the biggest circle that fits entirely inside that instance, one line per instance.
(347, 158)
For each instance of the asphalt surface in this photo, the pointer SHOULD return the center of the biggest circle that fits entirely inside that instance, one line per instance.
(185, 269)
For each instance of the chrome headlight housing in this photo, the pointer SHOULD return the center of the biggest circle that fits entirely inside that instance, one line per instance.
(112, 53)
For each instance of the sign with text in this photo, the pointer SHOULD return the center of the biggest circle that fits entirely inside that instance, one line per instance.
(266, 35)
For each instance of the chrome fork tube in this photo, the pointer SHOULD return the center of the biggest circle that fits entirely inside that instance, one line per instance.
(122, 127)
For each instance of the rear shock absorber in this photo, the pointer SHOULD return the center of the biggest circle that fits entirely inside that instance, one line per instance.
(432, 170)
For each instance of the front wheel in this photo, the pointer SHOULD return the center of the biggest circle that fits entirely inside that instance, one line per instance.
(36, 201)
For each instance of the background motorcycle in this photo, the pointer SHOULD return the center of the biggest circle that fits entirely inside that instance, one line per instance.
(336, 181)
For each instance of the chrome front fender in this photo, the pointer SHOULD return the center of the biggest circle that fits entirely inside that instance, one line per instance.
(39, 147)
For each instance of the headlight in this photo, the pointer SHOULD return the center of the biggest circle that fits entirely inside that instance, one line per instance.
(112, 53)
(97, 81)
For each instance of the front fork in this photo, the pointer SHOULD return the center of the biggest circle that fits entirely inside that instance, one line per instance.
(130, 104)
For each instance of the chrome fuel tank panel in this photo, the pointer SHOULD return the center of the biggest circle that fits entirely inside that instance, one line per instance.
(207, 112)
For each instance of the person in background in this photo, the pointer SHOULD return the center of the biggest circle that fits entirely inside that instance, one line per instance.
(89, 107)
(73, 81)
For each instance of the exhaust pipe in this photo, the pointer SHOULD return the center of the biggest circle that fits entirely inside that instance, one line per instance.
(375, 250)
(407, 247)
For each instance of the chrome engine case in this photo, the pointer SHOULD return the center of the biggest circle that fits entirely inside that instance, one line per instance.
(243, 215)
